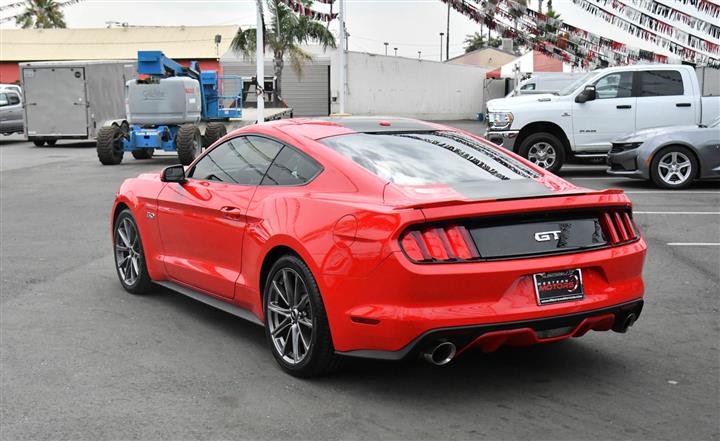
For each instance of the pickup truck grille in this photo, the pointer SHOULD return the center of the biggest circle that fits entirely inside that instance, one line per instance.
(518, 236)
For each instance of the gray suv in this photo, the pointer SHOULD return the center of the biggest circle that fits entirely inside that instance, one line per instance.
(11, 112)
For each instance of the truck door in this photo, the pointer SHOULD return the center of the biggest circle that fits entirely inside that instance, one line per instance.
(665, 98)
(610, 115)
(55, 101)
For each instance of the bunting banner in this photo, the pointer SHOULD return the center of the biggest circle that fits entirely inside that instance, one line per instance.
(12, 5)
(571, 44)
(310, 13)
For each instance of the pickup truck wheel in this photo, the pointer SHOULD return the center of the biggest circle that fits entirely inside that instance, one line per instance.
(544, 150)
(38, 142)
(51, 142)
(109, 145)
(673, 167)
(188, 143)
(143, 153)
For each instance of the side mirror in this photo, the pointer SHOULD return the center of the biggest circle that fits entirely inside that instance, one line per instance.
(588, 94)
(174, 173)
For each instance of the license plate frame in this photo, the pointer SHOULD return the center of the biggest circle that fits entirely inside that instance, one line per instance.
(558, 286)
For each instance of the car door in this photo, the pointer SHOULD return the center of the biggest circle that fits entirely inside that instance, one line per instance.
(664, 100)
(202, 221)
(610, 115)
(11, 119)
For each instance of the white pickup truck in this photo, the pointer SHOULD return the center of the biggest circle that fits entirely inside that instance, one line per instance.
(581, 120)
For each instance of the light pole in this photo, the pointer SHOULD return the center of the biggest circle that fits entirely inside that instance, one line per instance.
(343, 60)
(419, 55)
(386, 46)
(395, 51)
(447, 39)
(260, 60)
(441, 40)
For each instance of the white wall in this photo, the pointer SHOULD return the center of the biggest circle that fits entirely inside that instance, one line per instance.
(397, 86)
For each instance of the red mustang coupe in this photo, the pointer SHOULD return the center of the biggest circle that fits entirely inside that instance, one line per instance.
(381, 238)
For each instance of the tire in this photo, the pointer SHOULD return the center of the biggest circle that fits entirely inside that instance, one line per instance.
(533, 146)
(38, 142)
(130, 265)
(293, 355)
(109, 145)
(213, 132)
(188, 143)
(51, 142)
(143, 153)
(674, 167)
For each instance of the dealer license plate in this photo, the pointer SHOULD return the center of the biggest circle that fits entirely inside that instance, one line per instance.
(558, 286)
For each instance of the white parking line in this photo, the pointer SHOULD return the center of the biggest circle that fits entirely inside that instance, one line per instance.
(693, 244)
(716, 213)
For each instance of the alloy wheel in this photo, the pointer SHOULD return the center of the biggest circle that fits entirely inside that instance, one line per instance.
(674, 168)
(543, 154)
(290, 316)
(127, 252)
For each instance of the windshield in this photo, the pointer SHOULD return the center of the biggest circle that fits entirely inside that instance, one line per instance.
(428, 158)
(575, 84)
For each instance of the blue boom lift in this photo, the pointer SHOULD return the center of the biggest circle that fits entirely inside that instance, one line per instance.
(165, 106)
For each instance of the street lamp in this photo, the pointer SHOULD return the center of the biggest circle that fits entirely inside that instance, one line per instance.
(419, 55)
(395, 51)
(386, 46)
(441, 45)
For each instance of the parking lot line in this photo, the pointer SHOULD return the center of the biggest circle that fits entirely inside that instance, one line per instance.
(693, 244)
(716, 213)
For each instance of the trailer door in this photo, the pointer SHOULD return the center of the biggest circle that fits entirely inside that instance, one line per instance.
(56, 103)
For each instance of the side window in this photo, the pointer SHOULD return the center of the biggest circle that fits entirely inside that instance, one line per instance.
(661, 83)
(529, 86)
(614, 85)
(243, 160)
(13, 99)
(291, 168)
(4, 100)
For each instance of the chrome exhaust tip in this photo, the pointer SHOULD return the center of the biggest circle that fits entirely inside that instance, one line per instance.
(440, 354)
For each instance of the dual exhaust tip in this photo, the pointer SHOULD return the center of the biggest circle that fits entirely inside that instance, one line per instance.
(441, 353)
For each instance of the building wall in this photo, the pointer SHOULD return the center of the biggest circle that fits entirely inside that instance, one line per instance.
(489, 58)
(9, 72)
(397, 86)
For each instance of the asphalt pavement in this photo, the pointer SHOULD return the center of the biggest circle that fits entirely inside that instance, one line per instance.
(82, 359)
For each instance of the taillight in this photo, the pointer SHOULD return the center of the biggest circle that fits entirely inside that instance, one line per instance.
(439, 244)
(620, 227)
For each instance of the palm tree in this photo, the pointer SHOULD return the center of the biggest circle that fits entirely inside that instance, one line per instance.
(552, 13)
(474, 42)
(517, 11)
(287, 32)
(41, 14)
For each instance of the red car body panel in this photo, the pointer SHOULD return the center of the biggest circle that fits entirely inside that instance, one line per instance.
(346, 225)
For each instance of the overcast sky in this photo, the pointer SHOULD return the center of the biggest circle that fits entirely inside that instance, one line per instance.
(409, 25)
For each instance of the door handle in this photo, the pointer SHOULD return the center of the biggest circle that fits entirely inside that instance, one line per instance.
(624, 106)
(683, 105)
(232, 213)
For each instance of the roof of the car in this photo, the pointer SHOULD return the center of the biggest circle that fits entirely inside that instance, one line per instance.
(318, 128)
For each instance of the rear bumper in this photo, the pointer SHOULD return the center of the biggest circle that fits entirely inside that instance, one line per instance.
(490, 337)
(399, 304)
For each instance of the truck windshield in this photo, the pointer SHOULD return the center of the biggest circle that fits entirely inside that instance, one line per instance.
(575, 84)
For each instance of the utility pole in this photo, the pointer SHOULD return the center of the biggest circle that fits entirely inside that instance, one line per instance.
(395, 51)
(386, 46)
(343, 38)
(441, 45)
(260, 61)
(447, 38)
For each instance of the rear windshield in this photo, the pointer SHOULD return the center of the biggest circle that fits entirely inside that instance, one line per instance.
(428, 158)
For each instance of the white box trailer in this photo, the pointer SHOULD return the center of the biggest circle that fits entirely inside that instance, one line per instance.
(73, 99)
